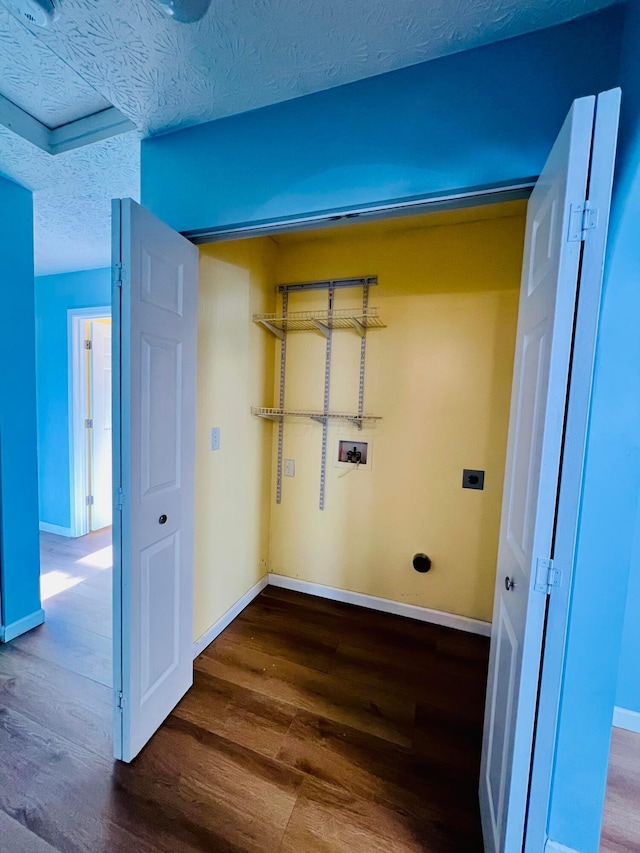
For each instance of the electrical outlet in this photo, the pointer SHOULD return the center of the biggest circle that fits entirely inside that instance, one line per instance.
(472, 479)
(215, 438)
(289, 467)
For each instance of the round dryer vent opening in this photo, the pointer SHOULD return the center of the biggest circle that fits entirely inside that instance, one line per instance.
(38, 13)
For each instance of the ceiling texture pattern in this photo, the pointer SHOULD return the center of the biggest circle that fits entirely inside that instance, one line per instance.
(37, 81)
(249, 53)
(72, 196)
(242, 55)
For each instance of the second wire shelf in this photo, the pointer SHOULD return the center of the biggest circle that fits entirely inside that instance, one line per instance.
(278, 414)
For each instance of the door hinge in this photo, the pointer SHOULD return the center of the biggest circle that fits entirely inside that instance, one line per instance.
(582, 218)
(117, 274)
(547, 576)
(119, 698)
(89, 500)
(120, 499)
(88, 424)
(88, 345)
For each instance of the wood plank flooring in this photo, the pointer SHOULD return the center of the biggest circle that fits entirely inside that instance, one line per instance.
(311, 726)
(77, 598)
(621, 821)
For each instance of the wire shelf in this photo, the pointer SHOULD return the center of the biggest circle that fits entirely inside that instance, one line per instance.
(279, 414)
(320, 321)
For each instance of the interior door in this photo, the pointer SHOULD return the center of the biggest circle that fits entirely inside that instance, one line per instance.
(154, 331)
(551, 266)
(101, 457)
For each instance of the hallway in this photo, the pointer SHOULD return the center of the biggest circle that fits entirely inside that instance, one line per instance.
(75, 580)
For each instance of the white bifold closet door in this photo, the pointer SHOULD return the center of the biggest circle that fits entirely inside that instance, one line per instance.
(553, 268)
(154, 333)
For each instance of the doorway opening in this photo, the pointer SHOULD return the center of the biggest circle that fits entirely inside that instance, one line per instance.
(74, 393)
(437, 391)
(90, 418)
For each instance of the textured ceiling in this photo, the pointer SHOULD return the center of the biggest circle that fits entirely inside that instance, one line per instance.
(72, 196)
(38, 82)
(163, 75)
(248, 53)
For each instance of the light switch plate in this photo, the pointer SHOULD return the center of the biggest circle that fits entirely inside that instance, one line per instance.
(289, 467)
(215, 438)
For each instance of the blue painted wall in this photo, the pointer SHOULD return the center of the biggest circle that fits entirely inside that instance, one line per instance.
(19, 546)
(628, 695)
(628, 263)
(55, 295)
(479, 117)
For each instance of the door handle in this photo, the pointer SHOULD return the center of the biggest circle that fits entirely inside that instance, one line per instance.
(162, 519)
(508, 583)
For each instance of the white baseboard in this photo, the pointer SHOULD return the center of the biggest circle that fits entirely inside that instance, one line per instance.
(385, 605)
(15, 629)
(423, 614)
(623, 718)
(218, 627)
(45, 527)
(554, 847)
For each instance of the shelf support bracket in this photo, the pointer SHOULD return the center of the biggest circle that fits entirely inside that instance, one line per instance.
(361, 330)
(273, 329)
(322, 327)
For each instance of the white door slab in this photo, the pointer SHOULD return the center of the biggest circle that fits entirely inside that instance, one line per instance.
(536, 429)
(101, 456)
(155, 328)
(599, 192)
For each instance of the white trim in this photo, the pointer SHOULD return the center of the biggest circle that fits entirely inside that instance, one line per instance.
(88, 129)
(23, 124)
(21, 626)
(554, 847)
(623, 718)
(227, 618)
(75, 134)
(384, 605)
(372, 602)
(45, 527)
(77, 409)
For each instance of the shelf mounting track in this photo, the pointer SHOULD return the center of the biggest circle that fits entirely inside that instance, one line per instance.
(283, 365)
(325, 322)
(327, 391)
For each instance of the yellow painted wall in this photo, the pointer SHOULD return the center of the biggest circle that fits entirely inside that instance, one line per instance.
(440, 375)
(235, 369)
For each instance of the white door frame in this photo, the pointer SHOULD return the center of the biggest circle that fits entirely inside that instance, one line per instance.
(554, 644)
(78, 383)
(552, 659)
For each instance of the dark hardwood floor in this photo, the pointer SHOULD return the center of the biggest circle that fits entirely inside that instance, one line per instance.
(311, 726)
